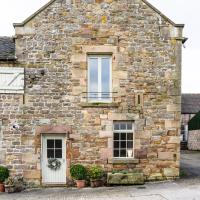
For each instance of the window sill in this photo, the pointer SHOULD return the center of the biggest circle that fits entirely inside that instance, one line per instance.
(123, 161)
(99, 105)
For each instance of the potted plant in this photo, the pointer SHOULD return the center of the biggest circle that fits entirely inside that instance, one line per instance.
(78, 173)
(9, 185)
(95, 173)
(14, 184)
(4, 173)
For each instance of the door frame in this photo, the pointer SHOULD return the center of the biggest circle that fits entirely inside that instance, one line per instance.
(56, 129)
(42, 157)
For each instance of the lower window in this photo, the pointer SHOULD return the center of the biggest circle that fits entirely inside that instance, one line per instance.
(123, 139)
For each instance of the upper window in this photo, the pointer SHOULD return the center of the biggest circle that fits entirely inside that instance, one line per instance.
(123, 139)
(99, 78)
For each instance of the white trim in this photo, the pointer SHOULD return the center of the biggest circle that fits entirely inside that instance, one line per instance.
(124, 131)
(99, 58)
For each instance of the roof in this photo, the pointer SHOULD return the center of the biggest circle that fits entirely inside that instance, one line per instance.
(7, 48)
(194, 123)
(52, 1)
(190, 103)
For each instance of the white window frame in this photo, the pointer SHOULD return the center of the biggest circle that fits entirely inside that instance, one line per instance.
(124, 131)
(100, 99)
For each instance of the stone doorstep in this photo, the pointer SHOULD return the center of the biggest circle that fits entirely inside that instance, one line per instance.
(123, 161)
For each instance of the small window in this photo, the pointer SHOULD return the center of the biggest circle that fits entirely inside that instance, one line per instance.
(139, 99)
(99, 78)
(54, 148)
(123, 139)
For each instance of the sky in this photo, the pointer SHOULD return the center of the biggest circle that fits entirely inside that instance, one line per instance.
(179, 11)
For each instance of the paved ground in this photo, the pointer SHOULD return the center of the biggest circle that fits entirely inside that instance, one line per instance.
(190, 163)
(187, 188)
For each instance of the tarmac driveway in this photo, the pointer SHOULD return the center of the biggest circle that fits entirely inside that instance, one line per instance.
(150, 191)
(190, 164)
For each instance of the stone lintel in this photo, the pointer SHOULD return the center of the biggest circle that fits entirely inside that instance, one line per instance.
(99, 105)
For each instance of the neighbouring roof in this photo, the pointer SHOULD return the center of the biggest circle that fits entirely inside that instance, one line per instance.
(190, 103)
(7, 48)
(194, 123)
(52, 1)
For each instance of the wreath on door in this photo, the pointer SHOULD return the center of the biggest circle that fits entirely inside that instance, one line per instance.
(54, 164)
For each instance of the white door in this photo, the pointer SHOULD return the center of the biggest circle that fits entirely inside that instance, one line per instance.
(53, 146)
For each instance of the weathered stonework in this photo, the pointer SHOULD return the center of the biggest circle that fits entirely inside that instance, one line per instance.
(146, 60)
(194, 140)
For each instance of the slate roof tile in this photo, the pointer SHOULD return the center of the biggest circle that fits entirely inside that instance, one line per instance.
(7, 48)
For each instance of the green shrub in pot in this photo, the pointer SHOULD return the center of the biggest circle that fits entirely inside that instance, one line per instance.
(78, 173)
(4, 174)
(95, 173)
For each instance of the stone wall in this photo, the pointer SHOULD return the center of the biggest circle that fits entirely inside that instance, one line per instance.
(194, 140)
(146, 60)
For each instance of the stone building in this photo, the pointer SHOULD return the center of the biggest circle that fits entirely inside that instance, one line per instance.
(190, 125)
(91, 82)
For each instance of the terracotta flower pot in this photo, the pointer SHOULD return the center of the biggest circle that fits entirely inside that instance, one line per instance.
(80, 183)
(2, 188)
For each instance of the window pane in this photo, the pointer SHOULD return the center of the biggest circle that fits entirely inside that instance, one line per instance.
(123, 144)
(122, 153)
(105, 77)
(123, 136)
(116, 126)
(116, 136)
(58, 144)
(123, 126)
(129, 136)
(50, 143)
(116, 153)
(93, 78)
(129, 126)
(116, 144)
(129, 144)
(50, 153)
(58, 153)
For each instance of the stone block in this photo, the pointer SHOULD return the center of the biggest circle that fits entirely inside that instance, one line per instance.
(174, 140)
(103, 116)
(155, 177)
(117, 116)
(105, 153)
(31, 174)
(78, 58)
(171, 172)
(125, 179)
(110, 143)
(101, 49)
(120, 75)
(166, 155)
(173, 108)
(172, 124)
(29, 158)
(27, 140)
(105, 134)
